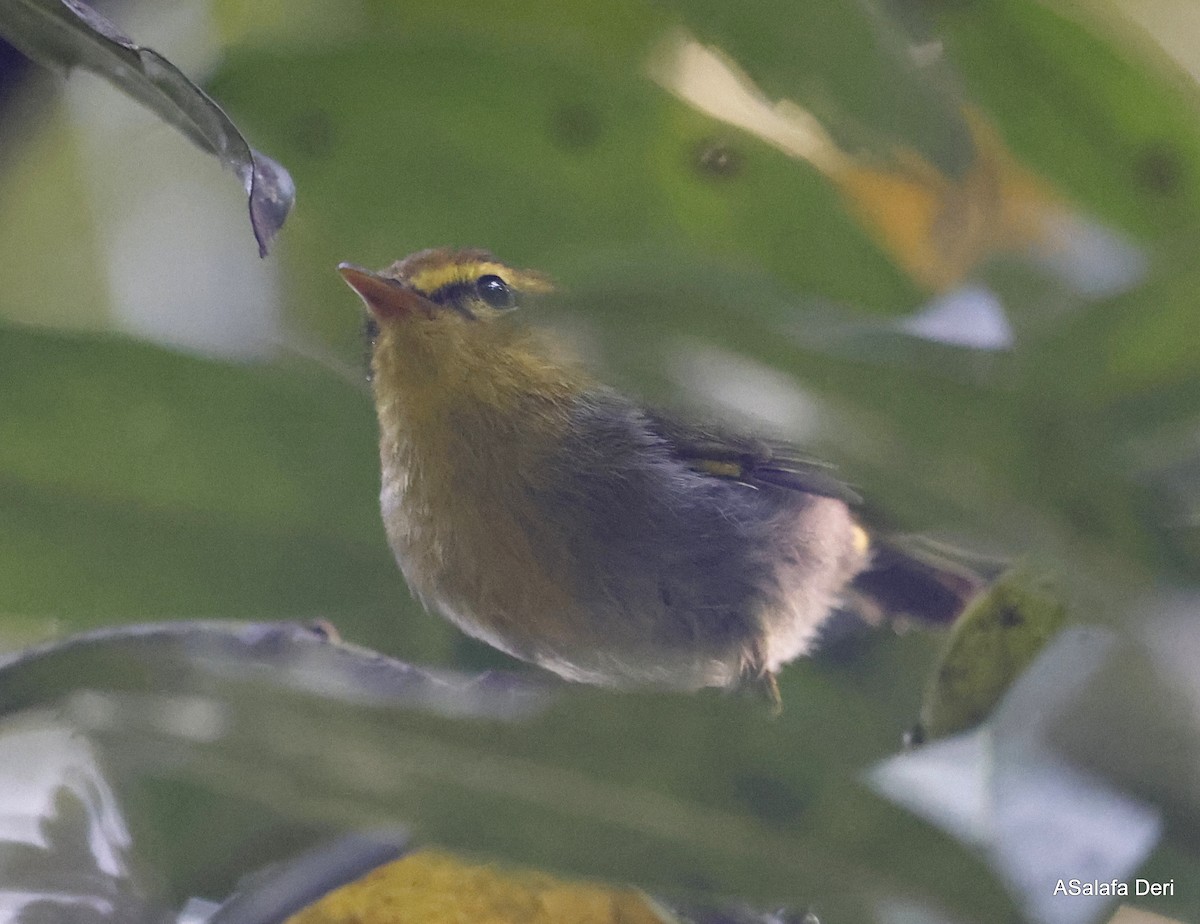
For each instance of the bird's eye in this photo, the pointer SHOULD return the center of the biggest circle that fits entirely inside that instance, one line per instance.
(495, 291)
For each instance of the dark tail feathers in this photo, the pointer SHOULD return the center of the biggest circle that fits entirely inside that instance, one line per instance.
(920, 579)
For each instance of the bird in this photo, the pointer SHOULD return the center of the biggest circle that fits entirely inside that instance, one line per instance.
(569, 525)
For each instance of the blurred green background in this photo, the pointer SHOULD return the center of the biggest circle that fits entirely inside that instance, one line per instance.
(949, 246)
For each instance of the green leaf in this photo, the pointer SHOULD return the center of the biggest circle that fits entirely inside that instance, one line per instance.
(990, 646)
(686, 795)
(138, 483)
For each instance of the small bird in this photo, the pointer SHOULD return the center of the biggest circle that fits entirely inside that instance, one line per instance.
(568, 525)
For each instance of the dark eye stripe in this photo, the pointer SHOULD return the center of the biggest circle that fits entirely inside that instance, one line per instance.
(451, 295)
(451, 292)
(489, 288)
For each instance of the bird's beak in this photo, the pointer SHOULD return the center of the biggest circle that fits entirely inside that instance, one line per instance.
(386, 297)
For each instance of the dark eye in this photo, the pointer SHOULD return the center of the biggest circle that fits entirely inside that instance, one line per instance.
(495, 291)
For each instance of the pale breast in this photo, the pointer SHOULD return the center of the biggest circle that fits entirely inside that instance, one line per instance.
(460, 520)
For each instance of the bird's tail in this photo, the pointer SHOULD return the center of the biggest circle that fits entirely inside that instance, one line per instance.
(919, 579)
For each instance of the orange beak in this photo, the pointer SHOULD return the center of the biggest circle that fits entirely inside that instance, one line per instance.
(386, 297)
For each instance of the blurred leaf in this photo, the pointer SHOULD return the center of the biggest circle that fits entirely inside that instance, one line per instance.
(1128, 914)
(1109, 127)
(553, 146)
(708, 267)
(1138, 727)
(309, 657)
(267, 896)
(427, 887)
(1007, 790)
(137, 483)
(291, 727)
(991, 644)
(66, 853)
(64, 34)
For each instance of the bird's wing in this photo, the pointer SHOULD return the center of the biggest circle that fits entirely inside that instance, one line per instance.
(752, 461)
(920, 578)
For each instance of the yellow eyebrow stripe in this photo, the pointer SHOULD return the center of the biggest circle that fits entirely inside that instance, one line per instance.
(433, 278)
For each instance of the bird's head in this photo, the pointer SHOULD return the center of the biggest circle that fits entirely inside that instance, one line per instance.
(442, 320)
(444, 288)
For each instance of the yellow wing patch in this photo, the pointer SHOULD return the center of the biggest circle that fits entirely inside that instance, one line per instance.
(720, 469)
